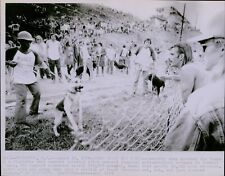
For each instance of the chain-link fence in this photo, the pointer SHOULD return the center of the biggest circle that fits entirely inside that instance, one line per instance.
(140, 126)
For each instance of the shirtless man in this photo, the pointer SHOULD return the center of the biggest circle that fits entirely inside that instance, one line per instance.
(191, 75)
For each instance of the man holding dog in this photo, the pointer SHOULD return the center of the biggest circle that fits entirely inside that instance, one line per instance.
(144, 63)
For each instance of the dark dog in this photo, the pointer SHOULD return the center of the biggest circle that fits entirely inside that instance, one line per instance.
(156, 83)
(119, 66)
(80, 70)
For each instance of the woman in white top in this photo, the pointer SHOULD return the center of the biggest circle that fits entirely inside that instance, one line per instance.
(40, 47)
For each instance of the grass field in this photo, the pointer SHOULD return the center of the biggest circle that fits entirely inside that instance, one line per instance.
(113, 119)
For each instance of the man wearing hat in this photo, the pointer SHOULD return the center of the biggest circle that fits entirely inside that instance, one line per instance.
(23, 62)
(200, 125)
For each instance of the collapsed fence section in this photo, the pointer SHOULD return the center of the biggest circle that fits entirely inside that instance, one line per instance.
(139, 127)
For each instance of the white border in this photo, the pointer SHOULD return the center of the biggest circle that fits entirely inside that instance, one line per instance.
(80, 154)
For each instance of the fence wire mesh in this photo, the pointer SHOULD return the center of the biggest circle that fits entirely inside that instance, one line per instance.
(140, 126)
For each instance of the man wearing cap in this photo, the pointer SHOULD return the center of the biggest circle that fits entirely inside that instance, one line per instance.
(200, 125)
(23, 61)
(54, 51)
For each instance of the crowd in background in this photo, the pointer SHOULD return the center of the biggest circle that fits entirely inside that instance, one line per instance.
(74, 43)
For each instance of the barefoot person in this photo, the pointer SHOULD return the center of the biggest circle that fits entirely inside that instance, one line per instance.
(24, 78)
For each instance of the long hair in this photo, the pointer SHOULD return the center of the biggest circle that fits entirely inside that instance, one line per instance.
(184, 48)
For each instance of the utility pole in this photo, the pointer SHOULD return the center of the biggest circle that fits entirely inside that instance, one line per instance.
(182, 22)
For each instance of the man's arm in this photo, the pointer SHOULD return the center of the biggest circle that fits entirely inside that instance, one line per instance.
(187, 78)
(9, 56)
(39, 61)
(60, 49)
(153, 54)
(138, 50)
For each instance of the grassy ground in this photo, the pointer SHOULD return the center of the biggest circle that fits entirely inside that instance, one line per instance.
(41, 137)
(112, 120)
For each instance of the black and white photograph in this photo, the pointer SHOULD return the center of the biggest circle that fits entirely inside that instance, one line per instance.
(110, 76)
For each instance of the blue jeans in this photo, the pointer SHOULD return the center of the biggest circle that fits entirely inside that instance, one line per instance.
(21, 99)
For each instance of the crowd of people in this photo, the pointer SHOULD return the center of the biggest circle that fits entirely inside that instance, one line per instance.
(78, 46)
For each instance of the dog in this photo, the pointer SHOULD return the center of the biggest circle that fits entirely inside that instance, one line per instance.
(156, 83)
(80, 70)
(71, 108)
(119, 66)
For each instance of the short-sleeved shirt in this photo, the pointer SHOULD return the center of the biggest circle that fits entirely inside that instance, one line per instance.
(53, 49)
(111, 54)
(23, 72)
(144, 58)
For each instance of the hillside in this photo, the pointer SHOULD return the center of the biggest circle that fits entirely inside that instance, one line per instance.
(36, 18)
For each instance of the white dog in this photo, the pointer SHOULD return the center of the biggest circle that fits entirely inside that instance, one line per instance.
(70, 107)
